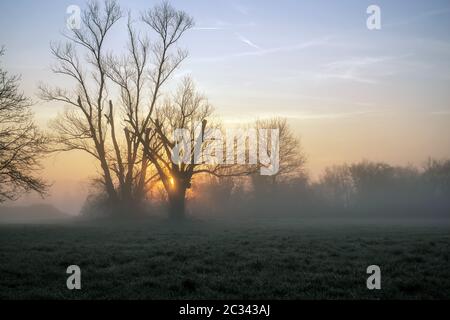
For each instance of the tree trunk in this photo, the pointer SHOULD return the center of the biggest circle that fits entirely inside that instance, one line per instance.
(177, 204)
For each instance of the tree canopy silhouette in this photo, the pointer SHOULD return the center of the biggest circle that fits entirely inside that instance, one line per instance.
(114, 136)
(22, 145)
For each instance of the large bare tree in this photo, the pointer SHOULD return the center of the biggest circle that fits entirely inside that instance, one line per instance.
(187, 110)
(22, 145)
(201, 152)
(115, 136)
(84, 126)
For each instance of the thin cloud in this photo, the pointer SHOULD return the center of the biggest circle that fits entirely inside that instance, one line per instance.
(441, 113)
(346, 76)
(337, 115)
(247, 41)
(243, 118)
(359, 69)
(240, 8)
(268, 51)
(223, 25)
(335, 100)
(357, 62)
(423, 16)
(207, 28)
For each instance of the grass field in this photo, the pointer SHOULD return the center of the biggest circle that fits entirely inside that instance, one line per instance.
(199, 260)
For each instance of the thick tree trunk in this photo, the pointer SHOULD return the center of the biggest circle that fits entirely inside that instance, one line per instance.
(177, 204)
(109, 184)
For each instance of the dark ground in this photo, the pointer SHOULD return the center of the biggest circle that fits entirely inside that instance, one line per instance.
(216, 260)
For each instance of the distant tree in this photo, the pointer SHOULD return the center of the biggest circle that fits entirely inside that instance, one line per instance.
(370, 180)
(437, 174)
(436, 184)
(22, 145)
(370, 185)
(380, 185)
(291, 156)
(336, 185)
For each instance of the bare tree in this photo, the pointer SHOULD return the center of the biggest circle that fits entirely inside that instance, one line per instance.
(128, 74)
(84, 126)
(336, 185)
(22, 145)
(169, 25)
(132, 142)
(191, 111)
(115, 136)
(187, 110)
(291, 156)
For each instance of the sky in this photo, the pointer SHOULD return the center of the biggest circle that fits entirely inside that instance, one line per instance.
(350, 93)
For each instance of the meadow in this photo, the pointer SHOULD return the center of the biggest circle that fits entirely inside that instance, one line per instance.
(282, 259)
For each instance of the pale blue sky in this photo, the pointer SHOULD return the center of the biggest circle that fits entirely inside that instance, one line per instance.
(300, 58)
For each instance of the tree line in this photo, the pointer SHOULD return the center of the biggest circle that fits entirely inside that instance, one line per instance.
(365, 189)
(122, 111)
